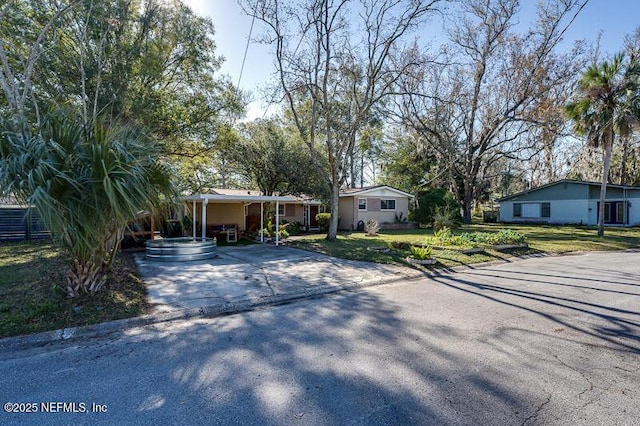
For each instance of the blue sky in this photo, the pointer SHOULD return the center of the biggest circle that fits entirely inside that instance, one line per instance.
(615, 18)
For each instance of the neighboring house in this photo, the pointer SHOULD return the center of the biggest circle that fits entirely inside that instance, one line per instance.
(572, 202)
(244, 210)
(18, 222)
(381, 203)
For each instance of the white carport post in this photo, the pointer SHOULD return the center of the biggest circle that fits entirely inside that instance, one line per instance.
(262, 221)
(193, 233)
(204, 219)
(277, 222)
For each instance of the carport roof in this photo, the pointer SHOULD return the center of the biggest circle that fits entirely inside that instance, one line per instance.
(250, 196)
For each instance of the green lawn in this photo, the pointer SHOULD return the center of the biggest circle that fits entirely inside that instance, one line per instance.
(32, 296)
(541, 239)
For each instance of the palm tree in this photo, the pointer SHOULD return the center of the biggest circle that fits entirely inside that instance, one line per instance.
(607, 103)
(88, 182)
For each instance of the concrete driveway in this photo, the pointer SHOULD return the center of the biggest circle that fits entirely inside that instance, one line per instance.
(257, 274)
(548, 341)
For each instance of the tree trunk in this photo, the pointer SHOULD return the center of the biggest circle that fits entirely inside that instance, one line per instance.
(625, 158)
(333, 222)
(84, 278)
(467, 203)
(608, 147)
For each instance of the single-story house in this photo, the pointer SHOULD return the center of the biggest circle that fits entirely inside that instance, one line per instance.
(381, 203)
(243, 210)
(572, 202)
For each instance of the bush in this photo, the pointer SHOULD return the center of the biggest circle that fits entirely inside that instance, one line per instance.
(443, 235)
(421, 253)
(400, 245)
(474, 239)
(429, 201)
(270, 230)
(444, 218)
(295, 228)
(400, 219)
(323, 221)
(371, 228)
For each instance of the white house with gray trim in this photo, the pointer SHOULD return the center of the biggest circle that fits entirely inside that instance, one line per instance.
(572, 202)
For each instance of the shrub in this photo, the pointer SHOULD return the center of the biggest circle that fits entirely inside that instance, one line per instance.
(429, 201)
(507, 236)
(283, 233)
(323, 221)
(400, 245)
(400, 219)
(421, 253)
(371, 227)
(443, 235)
(270, 230)
(443, 217)
(295, 228)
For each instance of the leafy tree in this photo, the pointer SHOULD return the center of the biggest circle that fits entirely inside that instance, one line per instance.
(431, 202)
(607, 103)
(87, 182)
(410, 163)
(152, 64)
(273, 159)
(334, 66)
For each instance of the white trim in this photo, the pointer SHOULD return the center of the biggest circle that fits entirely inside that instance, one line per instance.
(241, 198)
(194, 220)
(204, 219)
(261, 222)
(365, 191)
(277, 223)
(365, 205)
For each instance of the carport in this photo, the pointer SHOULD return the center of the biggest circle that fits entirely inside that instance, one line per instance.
(205, 199)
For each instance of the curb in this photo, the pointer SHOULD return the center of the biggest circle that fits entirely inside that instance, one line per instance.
(229, 308)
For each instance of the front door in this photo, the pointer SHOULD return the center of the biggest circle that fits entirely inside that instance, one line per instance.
(614, 212)
(313, 212)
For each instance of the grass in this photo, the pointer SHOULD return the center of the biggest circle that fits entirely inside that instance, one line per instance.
(33, 299)
(541, 239)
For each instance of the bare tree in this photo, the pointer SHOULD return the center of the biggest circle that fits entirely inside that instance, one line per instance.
(335, 60)
(479, 106)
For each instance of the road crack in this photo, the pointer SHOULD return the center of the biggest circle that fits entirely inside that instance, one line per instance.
(533, 417)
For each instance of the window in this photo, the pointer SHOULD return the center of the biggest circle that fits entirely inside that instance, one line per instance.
(387, 204)
(281, 210)
(517, 210)
(545, 209)
(362, 203)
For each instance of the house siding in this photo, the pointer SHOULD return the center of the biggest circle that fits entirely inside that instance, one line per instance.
(350, 215)
(563, 212)
(385, 216)
(225, 213)
(570, 203)
(346, 206)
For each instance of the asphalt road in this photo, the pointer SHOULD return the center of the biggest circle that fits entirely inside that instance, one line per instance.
(539, 341)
